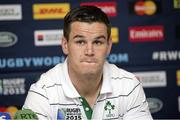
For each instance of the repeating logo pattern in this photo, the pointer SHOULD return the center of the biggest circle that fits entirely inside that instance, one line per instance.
(145, 36)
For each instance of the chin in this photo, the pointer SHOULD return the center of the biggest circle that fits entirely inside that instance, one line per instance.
(89, 73)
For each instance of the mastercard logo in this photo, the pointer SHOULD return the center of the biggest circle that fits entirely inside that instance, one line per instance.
(145, 8)
(11, 110)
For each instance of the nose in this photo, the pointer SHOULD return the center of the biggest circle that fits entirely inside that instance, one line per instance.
(89, 50)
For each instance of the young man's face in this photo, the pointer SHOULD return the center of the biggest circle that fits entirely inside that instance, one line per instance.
(87, 47)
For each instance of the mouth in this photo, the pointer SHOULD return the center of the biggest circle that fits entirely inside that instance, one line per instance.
(89, 61)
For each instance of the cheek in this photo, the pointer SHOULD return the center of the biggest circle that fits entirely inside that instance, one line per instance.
(75, 54)
(103, 54)
(76, 51)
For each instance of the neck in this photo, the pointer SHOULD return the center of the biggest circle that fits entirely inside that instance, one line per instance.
(88, 86)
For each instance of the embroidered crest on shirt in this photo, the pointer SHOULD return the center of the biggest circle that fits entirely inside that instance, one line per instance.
(69, 114)
(109, 109)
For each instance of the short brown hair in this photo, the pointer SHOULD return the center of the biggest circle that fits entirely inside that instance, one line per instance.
(85, 14)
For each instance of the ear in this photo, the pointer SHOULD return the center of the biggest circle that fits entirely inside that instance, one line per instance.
(64, 45)
(109, 46)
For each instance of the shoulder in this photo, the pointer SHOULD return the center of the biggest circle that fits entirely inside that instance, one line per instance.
(123, 80)
(119, 73)
(50, 77)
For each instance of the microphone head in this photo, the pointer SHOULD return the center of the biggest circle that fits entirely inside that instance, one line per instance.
(25, 114)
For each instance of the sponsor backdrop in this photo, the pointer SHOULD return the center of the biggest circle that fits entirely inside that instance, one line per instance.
(145, 33)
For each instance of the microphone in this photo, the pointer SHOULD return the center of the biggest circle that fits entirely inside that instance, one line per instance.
(25, 114)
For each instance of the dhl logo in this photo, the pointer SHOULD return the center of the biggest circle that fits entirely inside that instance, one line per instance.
(50, 10)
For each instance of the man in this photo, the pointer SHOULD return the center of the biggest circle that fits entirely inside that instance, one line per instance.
(86, 86)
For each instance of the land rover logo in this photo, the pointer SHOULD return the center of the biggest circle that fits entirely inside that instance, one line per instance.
(155, 104)
(7, 39)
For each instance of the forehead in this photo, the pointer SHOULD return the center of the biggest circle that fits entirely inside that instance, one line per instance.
(88, 28)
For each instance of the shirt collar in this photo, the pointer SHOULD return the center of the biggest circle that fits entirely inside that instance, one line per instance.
(70, 90)
(67, 85)
(106, 84)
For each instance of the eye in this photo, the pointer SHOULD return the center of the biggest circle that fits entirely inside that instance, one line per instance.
(98, 42)
(80, 42)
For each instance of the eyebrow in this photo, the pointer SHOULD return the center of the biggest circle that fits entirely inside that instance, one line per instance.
(80, 36)
(99, 37)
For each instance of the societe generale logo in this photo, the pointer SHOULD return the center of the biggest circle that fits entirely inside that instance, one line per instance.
(145, 7)
(50, 10)
(146, 33)
(110, 8)
(48, 37)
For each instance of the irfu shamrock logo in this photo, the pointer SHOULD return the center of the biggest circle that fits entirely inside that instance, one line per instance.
(109, 106)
